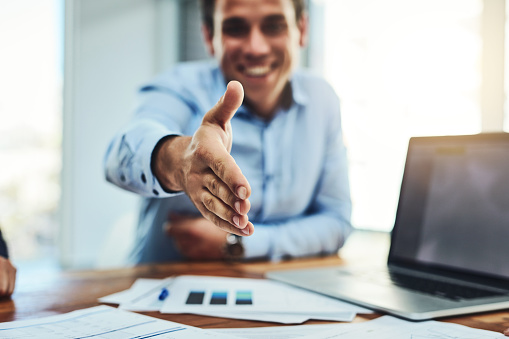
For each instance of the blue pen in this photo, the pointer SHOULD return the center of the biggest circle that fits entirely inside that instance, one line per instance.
(164, 293)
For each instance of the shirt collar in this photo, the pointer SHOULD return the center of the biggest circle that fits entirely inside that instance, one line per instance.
(299, 96)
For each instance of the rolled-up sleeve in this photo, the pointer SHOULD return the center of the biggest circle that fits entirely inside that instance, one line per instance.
(127, 162)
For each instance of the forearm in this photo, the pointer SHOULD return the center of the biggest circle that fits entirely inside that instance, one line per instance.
(127, 162)
(319, 233)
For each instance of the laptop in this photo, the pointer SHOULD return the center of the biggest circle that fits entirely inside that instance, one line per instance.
(449, 252)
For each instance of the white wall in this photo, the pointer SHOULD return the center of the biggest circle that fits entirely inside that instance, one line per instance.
(112, 46)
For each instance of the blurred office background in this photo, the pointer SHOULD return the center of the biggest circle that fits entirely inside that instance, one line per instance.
(69, 70)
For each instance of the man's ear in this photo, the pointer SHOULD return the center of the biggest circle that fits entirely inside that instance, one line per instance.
(207, 37)
(303, 25)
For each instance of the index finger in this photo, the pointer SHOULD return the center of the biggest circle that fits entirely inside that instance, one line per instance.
(225, 167)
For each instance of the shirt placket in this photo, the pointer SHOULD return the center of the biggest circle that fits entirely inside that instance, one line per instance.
(272, 151)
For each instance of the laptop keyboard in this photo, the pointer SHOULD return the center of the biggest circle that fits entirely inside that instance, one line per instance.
(440, 288)
(432, 286)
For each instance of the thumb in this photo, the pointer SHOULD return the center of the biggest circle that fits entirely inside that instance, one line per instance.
(226, 107)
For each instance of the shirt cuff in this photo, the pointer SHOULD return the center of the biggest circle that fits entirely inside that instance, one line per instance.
(157, 191)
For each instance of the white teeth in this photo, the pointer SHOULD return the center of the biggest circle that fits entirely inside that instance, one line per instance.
(257, 70)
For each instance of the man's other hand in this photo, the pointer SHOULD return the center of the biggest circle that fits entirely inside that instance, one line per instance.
(7, 277)
(202, 167)
(196, 238)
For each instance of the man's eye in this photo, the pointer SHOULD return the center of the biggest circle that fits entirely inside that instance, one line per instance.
(236, 30)
(274, 28)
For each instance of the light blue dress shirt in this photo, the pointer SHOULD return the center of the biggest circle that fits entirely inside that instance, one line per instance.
(296, 164)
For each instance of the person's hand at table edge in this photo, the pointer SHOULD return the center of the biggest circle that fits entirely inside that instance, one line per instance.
(7, 277)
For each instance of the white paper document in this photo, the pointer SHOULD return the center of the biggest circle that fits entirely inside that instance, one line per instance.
(102, 322)
(242, 298)
(388, 327)
(278, 332)
(248, 299)
(280, 318)
(382, 328)
(138, 288)
(142, 296)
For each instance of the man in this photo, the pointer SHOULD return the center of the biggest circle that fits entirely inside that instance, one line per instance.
(7, 270)
(286, 176)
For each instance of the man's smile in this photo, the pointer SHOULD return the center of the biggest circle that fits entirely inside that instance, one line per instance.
(256, 71)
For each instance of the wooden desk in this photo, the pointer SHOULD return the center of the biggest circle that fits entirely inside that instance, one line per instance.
(38, 296)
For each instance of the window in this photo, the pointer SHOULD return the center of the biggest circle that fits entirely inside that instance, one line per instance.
(30, 125)
(401, 68)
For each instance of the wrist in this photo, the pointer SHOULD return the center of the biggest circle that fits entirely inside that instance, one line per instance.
(166, 159)
(234, 248)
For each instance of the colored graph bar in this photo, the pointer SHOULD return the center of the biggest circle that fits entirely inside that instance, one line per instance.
(195, 298)
(219, 298)
(244, 298)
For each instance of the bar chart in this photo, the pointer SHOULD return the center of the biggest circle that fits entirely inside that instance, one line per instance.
(219, 297)
(244, 298)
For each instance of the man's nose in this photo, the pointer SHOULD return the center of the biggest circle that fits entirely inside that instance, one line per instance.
(257, 43)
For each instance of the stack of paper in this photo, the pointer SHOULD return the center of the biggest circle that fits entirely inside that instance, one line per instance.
(238, 298)
(389, 327)
(106, 322)
(385, 327)
(143, 296)
(102, 322)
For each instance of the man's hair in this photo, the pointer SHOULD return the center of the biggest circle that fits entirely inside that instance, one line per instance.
(208, 6)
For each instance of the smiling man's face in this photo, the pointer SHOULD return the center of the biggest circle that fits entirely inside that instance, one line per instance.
(257, 42)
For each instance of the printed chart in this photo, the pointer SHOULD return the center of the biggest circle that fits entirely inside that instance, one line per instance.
(220, 298)
(199, 294)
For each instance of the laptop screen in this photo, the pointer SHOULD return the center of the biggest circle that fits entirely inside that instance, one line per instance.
(453, 210)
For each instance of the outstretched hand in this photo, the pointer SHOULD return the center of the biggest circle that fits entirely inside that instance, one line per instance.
(7, 277)
(202, 167)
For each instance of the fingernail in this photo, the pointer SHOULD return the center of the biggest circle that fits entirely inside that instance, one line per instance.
(236, 220)
(242, 192)
(245, 231)
(237, 207)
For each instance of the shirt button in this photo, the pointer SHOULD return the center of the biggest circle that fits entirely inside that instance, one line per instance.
(143, 178)
(122, 177)
(155, 192)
